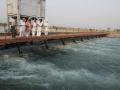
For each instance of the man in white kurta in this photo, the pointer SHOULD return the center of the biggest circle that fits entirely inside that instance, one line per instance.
(45, 24)
(39, 27)
(22, 28)
(34, 27)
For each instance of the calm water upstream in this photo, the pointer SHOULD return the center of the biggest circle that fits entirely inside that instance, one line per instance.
(92, 65)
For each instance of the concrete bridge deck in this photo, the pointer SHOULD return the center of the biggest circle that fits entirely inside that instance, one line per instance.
(6, 40)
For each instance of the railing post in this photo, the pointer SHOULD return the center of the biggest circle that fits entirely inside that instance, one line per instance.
(74, 40)
(46, 44)
(63, 42)
(19, 50)
(82, 39)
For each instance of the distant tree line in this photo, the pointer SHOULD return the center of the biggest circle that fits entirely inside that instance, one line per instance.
(117, 30)
(61, 27)
(71, 28)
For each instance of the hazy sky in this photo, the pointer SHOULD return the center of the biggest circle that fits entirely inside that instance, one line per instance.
(84, 13)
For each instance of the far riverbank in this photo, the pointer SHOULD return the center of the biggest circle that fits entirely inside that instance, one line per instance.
(114, 35)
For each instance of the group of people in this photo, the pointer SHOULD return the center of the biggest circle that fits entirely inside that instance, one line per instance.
(32, 27)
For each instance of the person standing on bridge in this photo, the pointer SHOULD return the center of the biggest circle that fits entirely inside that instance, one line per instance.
(45, 25)
(34, 26)
(13, 27)
(39, 27)
(22, 27)
(28, 27)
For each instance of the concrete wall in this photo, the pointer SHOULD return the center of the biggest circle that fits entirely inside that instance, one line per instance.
(3, 15)
(2, 28)
(28, 7)
(43, 8)
(3, 12)
(12, 7)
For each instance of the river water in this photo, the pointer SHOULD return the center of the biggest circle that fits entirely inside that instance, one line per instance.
(88, 65)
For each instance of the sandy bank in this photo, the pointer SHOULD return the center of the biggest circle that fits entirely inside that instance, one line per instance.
(114, 35)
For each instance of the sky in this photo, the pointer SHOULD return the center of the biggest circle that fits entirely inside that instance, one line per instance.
(84, 13)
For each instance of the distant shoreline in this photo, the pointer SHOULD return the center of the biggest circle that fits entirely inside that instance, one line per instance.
(114, 35)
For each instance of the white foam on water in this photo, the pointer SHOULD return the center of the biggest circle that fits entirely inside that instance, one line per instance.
(52, 73)
(84, 75)
(7, 77)
(72, 48)
(90, 48)
(47, 74)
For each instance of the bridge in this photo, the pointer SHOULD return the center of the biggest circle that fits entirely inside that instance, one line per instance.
(6, 40)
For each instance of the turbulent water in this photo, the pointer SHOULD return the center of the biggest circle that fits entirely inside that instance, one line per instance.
(89, 65)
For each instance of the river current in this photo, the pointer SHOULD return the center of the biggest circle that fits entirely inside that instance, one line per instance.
(88, 65)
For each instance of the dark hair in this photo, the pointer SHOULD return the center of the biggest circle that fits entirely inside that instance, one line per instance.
(29, 20)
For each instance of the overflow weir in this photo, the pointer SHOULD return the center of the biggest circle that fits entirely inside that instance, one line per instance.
(6, 40)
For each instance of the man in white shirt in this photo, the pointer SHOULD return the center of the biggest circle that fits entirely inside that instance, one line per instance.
(45, 24)
(34, 27)
(39, 27)
(22, 28)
